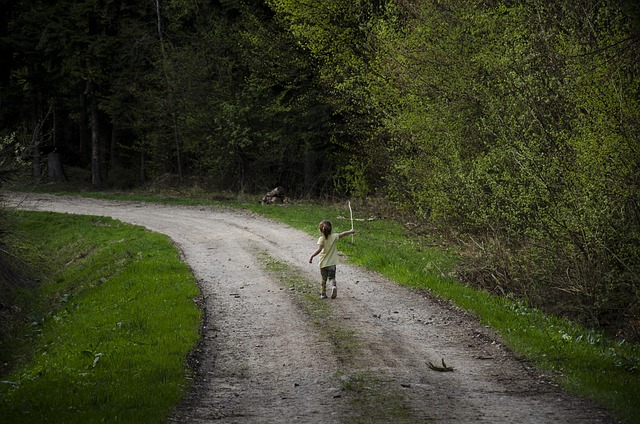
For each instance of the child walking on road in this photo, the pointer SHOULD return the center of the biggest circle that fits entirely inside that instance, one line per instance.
(328, 252)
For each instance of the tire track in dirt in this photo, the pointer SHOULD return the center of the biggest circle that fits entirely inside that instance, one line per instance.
(260, 359)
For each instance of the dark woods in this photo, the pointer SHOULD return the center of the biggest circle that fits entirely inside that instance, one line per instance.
(512, 126)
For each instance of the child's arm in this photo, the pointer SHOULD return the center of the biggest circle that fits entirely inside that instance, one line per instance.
(346, 233)
(316, 253)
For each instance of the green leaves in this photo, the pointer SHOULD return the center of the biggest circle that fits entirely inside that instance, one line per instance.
(512, 120)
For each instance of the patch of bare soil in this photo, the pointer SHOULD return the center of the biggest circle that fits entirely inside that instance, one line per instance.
(264, 359)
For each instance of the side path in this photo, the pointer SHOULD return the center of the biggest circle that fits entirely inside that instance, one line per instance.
(260, 359)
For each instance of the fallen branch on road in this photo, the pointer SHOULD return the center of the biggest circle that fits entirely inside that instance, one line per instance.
(443, 368)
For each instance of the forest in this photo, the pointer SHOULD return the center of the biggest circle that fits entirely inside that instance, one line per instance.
(512, 127)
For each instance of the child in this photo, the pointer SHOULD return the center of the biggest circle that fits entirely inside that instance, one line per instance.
(328, 257)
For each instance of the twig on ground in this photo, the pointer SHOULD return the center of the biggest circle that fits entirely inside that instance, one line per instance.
(443, 368)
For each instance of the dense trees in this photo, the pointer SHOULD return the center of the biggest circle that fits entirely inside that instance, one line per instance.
(519, 123)
(515, 123)
(134, 90)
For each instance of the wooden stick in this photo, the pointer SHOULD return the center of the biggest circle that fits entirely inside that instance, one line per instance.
(351, 214)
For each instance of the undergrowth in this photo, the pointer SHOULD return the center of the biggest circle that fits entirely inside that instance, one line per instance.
(104, 338)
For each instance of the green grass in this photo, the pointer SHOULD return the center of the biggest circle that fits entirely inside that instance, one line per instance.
(107, 335)
(585, 361)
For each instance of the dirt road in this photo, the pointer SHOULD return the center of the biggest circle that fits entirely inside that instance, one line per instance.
(271, 355)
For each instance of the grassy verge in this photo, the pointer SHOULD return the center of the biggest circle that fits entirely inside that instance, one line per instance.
(586, 361)
(107, 334)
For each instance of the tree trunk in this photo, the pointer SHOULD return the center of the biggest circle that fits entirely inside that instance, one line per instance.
(36, 139)
(83, 142)
(310, 171)
(114, 157)
(96, 162)
(170, 94)
(143, 167)
(36, 164)
(104, 145)
(176, 138)
(56, 171)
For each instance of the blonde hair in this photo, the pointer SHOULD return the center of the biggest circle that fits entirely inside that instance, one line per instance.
(325, 228)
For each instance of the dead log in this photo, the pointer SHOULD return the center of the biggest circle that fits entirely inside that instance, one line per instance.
(275, 196)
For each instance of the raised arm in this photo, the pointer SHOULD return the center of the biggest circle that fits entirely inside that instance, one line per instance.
(346, 233)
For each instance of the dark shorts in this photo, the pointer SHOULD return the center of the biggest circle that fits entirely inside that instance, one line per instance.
(328, 272)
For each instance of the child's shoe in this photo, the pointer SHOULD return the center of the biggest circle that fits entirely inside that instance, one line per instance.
(323, 295)
(334, 292)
